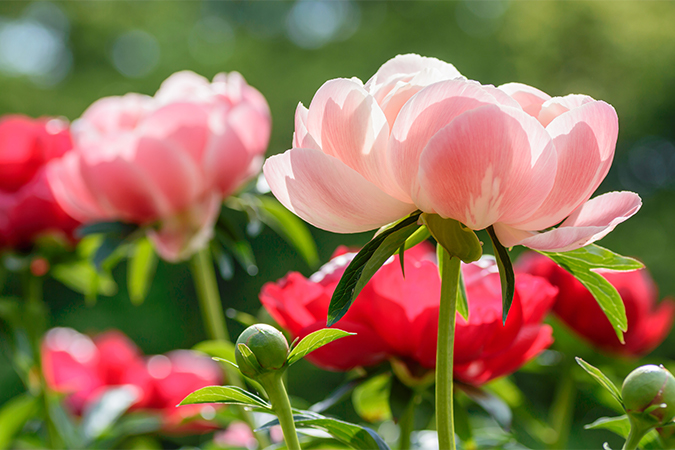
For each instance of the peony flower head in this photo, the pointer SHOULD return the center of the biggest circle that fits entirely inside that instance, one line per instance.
(418, 135)
(166, 161)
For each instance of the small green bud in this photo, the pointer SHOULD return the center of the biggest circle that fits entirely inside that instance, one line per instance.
(268, 345)
(648, 387)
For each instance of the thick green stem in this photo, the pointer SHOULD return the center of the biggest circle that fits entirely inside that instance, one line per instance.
(562, 409)
(276, 391)
(407, 422)
(637, 432)
(207, 292)
(204, 277)
(444, 355)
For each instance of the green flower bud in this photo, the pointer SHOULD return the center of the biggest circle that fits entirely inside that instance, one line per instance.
(268, 345)
(647, 388)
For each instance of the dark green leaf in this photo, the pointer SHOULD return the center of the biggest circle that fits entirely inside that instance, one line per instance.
(140, 270)
(120, 229)
(240, 249)
(400, 396)
(356, 436)
(98, 418)
(620, 425)
(493, 405)
(371, 399)
(366, 263)
(13, 415)
(458, 240)
(335, 396)
(314, 341)
(219, 349)
(602, 379)
(106, 249)
(605, 294)
(223, 260)
(83, 278)
(506, 275)
(401, 258)
(64, 424)
(462, 298)
(231, 395)
(289, 227)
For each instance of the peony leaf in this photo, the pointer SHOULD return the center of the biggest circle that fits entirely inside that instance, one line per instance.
(100, 416)
(601, 378)
(140, 270)
(314, 341)
(457, 239)
(371, 399)
(366, 263)
(506, 275)
(337, 395)
(420, 235)
(581, 263)
(355, 436)
(493, 405)
(462, 298)
(13, 416)
(120, 229)
(231, 395)
(620, 425)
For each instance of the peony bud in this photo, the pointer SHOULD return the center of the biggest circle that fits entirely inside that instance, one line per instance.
(648, 387)
(267, 344)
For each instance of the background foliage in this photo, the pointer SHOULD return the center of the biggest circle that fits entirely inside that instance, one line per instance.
(57, 58)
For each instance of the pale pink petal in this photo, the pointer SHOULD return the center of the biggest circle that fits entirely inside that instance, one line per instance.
(558, 105)
(589, 223)
(328, 194)
(584, 139)
(477, 168)
(422, 117)
(529, 98)
(227, 163)
(407, 66)
(502, 97)
(252, 127)
(112, 114)
(300, 137)
(347, 123)
(184, 86)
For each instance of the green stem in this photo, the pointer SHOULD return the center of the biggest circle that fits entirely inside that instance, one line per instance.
(204, 277)
(444, 356)
(407, 422)
(274, 386)
(637, 432)
(562, 409)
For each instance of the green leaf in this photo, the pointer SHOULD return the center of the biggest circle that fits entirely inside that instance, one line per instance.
(462, 298)
(400, 396)
(366, 263)
(493, 405)
(420, 235)
(457, 239)
(620, 425)
(335, 396)
(290, 227)
(223, 260)
(14, 415)
(371, 399)
(219, 349)
(101, 416)
(507, 277)
(106, 250)
(231, 395)
(401, 258)
(313, 341)
(140, 270)
(82, 277)
(239, 247)
(602, 379)
(605, 294)
(118, 228)
(356, 436)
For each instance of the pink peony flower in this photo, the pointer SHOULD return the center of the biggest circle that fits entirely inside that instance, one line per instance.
(166, 161)
(396, 317)
(27, 207)
(417, 135)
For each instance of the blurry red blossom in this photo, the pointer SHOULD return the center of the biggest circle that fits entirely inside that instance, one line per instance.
(84, 369)
(396, 317)
(27, 206)
(649, 322)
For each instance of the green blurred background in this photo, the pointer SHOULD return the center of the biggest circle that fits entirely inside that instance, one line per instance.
(57, 58)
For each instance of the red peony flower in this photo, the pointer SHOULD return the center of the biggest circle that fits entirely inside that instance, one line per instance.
(27, 206)
(648, 322)
(398, 317)
(84, 369)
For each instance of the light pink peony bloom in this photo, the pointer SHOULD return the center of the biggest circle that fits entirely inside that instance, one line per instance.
(418, 135)
(167, 160)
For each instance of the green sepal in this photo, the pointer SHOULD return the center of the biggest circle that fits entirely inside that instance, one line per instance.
(507, 276)
(457, 239)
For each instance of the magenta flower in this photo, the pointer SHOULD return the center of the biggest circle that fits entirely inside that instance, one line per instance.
(418, 135)
(167, 160)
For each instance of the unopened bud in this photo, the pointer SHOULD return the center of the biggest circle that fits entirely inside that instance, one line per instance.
(268, 345)
(650, 390)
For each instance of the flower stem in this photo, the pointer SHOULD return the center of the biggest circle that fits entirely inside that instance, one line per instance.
(204, 277)
(445, 353)
(276, 391)
(637, 432)
(407, 422)
(562, 409)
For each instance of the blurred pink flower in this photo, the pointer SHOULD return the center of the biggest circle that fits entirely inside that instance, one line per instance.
(27, 207)
(417, 135)
(84, 369)
(166, 161)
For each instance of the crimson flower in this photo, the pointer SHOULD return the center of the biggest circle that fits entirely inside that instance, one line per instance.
(84, 369)
(648, 322)
(397, 317)
(27, 206)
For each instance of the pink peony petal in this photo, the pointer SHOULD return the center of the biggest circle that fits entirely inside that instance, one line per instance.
(529, 98)
(476, 169)
(556, 106)
(589, 223)
(328, 194)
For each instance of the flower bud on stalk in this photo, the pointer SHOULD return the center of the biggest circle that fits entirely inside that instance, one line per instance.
(268, 345)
